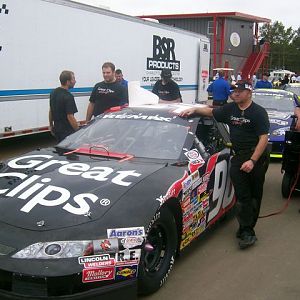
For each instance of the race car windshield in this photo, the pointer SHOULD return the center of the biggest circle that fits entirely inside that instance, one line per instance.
(274, 101)
(140, 138)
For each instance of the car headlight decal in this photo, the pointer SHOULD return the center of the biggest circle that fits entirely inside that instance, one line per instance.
(54, 250)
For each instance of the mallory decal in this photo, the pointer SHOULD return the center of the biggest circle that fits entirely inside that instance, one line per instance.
(98, 274)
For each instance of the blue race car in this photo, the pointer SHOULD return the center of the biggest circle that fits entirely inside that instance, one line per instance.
(280, 106)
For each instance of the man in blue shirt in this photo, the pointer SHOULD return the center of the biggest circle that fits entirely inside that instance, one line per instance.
(264, 83)
(220, 90)
(120, 79)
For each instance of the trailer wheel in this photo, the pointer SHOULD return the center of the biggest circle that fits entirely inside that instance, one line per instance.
(156, 265)
(286, 185)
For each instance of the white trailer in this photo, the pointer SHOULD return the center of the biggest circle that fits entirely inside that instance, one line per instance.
(40, 38)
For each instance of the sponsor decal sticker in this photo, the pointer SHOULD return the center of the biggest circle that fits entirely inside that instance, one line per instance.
(194, 156)
(187, 184)
(131, 242)
(96, 261)
(126, 272)
(137, 117)
(105, 245)
(125, 232)
(98, 274)
(128, 257)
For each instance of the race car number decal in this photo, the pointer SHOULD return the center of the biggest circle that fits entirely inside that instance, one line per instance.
(223, 191)
(205, 198)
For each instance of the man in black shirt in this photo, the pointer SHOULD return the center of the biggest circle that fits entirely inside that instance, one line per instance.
(107, 93)
(63, 107)
(249, 127)
(166, 89)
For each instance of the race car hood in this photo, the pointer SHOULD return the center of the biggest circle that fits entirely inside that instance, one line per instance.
(44, 191)
(280, 122)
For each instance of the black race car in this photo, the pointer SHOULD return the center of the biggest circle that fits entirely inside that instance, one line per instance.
(111, 205)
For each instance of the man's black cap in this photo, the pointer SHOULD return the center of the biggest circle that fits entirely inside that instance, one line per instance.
(243, 85)
(266, 74)
(166, 73)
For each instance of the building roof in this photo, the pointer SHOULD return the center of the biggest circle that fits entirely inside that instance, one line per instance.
(233, 15)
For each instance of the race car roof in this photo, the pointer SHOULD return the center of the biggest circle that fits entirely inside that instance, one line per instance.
(156, 112)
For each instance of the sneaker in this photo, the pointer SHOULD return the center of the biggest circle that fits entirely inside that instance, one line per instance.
(247, 241)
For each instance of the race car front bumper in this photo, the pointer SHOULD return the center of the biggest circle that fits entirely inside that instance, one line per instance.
(22, 287)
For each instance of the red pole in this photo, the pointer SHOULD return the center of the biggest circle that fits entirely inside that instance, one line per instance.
(215, 42)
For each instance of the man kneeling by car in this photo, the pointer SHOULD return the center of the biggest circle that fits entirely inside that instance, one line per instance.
(249, 127)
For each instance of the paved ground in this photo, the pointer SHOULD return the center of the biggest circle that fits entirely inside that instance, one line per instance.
(213, 267)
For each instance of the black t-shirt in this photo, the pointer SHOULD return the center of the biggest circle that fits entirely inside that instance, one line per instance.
(62, 103)
(169, 91)
(245, 126)
(106, 95)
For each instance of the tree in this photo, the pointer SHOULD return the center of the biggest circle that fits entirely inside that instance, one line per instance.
(284, 46)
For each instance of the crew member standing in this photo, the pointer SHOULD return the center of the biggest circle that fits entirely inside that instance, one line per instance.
(63, 107)
(120, 78)
(166, 89)
(249, 127)
(220, 90)
(107, 93)
(264, 83)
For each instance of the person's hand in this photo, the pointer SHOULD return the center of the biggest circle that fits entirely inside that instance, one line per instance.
(247, 166)
(188, 112)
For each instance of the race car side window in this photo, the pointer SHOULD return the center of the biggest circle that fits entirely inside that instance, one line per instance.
(212, 135)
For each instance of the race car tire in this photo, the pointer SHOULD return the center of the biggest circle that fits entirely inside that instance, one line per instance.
(286, 185)
(156, 265)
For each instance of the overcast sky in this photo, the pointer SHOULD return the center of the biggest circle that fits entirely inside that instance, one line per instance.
(287, 12)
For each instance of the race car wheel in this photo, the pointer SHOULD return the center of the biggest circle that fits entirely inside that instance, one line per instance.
(286, 185)
(156, 264)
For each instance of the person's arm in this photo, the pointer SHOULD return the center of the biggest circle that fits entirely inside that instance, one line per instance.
(248, 165)
(176, 93)
(51, 123)
(155, 88)
(202, 111)
(297, 114)
(209, 89)
(89, 112)
(72, 121)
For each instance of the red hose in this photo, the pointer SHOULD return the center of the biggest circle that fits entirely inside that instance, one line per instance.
(286, 203)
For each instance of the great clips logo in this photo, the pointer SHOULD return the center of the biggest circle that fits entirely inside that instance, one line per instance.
(163, 55)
